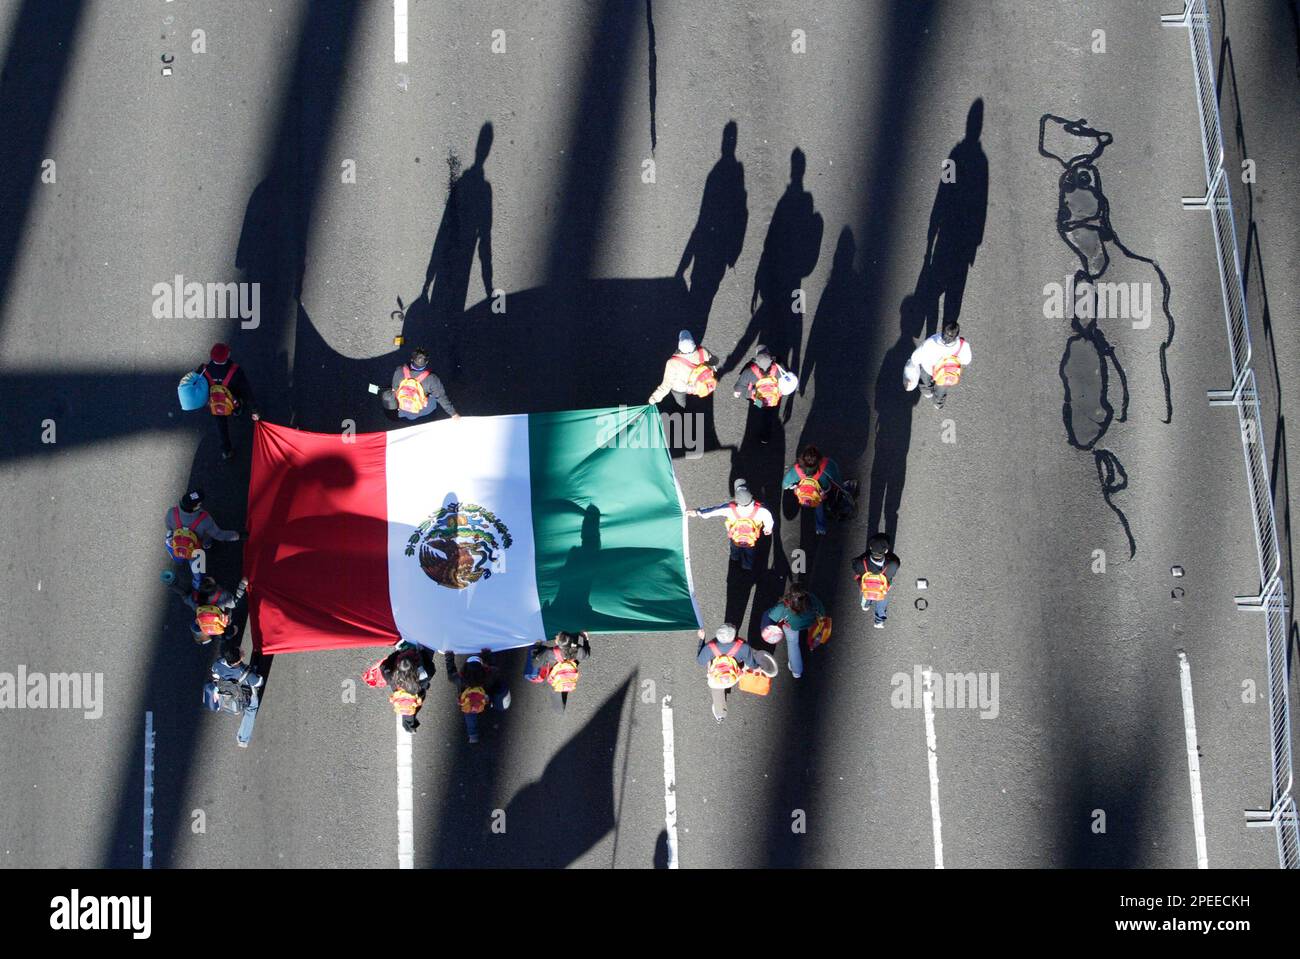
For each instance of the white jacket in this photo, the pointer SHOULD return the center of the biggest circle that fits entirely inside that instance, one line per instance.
(929, 353)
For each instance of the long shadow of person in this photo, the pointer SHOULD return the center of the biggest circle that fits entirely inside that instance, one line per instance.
(466, 226)
(790, 252)
(957, 223)
(894, 406)
(719, 234)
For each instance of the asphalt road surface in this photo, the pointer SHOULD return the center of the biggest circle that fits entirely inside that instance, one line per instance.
(606, 122)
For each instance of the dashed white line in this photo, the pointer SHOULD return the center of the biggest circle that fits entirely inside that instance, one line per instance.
(670, 783)
(1193, 761)
(147, 846)
(399, 31)
(405, 822)
(932, 756)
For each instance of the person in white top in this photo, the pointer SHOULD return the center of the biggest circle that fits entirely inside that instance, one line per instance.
(936, 365)
(747, 520)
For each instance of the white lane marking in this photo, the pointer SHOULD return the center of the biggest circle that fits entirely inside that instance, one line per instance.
(1193, 761)
(399, 31)
(670, 783)
(932, 756)
(147, 846)
(405, 822)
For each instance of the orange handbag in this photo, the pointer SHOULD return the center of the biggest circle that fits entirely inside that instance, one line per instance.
(751, 681)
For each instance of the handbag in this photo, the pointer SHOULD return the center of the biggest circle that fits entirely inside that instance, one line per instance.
(752, 681)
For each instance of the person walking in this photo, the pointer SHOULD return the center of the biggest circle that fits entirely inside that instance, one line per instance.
(691, 371)
(418, 391)
(408, 671)
(746, 520)
(555, 664)
(760, 383)
(235, 688)
(814, 479)
(874, 572)
(936, 365)
(190, 529)
(229, 393)
(724, 657)
(213, 609)
(479, 687)
(797, 611)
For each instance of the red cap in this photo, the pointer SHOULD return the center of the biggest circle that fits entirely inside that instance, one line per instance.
(220, 353)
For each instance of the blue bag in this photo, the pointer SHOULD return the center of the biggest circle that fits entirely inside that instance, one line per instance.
(193, 391)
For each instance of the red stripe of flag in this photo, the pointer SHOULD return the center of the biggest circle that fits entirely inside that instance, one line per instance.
(317, 551)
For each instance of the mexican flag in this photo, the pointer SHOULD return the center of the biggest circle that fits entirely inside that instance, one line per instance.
(487, 532)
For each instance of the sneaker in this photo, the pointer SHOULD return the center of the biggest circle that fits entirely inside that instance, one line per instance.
(795, 675)
(227, 455)
(878, 624)
(473, 740)
(864, 602)
(505, 700)
(927, 392)
(719, 716)
(822, 531)
(243, 744)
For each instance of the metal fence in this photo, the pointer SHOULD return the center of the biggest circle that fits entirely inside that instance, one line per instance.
(1244, 395)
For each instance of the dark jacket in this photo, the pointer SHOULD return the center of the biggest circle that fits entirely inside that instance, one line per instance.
(238, 385)
(863, 563)
(434, 391)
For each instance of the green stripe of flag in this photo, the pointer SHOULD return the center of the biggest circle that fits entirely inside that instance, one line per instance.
(607, 522)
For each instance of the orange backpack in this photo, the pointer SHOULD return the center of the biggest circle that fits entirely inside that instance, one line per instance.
(404, 703)
(212, 620)
(767, 389)
(564, 675)
(874, 586)
(474, 699)
(221, 402)
(410, 394)
(808, 491)
(724, 669)
(744, 530)
(701, 381)
(183, 542)
(947, 372)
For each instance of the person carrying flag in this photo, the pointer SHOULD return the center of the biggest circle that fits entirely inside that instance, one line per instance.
(746, 519)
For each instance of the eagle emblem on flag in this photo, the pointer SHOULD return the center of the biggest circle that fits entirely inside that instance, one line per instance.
(460, 544)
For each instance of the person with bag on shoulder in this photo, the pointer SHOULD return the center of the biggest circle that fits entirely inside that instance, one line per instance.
(874, 572)
(191, 530)
(417, 391)
(234, 688)
(408, 672)
(937, 364)
(763, 383)
(555, 664)
(797, 611)
(725, 657)
(691, 371)
(815, 480)
(746, 520)
(229, 393)
(213, 609)
(479, 687)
